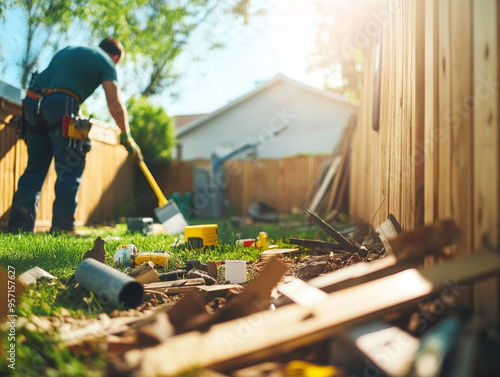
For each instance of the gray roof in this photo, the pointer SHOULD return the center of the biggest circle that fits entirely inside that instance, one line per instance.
(278, 78)
(10, 93)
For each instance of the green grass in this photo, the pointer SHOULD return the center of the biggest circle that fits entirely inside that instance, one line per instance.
(39, 354)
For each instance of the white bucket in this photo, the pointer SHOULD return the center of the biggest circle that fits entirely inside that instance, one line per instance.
(236, 271)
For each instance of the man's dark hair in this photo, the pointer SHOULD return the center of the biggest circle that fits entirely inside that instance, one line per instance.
(112, 46)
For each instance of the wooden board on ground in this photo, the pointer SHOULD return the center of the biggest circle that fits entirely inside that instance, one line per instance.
(35, 274)
(145, 273)
(278, 253)
(260, 336)
(209, 292)
(360, 273)
(299, 292)
(162, 285)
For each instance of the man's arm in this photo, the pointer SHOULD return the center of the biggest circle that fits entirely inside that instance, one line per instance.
(116, 107)
(120, 115)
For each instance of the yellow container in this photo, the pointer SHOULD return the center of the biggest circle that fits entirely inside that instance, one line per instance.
(263, 241)
(199, 236)
(160, 260)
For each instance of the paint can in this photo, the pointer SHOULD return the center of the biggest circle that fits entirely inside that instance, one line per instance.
(236, 271)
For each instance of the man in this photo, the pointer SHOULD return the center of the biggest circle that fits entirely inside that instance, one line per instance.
(73, 74)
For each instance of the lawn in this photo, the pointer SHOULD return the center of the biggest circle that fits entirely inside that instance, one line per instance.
(45, 304)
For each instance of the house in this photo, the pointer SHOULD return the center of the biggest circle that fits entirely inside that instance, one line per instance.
(312, 120)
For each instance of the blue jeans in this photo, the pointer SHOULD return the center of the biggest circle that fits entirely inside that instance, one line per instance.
(44, 141)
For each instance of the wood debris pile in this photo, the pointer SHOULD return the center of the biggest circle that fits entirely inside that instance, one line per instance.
(335, 313)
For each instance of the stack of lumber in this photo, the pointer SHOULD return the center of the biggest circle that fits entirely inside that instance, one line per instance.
(328, 192)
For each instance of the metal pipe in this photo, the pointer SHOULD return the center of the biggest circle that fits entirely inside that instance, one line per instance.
(110, 285)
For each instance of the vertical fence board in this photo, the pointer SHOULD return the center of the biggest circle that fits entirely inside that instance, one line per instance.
(486, 136)
(460, 120)
(417, 161)
(429, 147)
(444, 133)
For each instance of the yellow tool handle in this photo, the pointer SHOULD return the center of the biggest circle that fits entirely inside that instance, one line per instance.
(161, 198)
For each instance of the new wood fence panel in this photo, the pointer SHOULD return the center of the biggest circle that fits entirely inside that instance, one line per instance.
(443, 162)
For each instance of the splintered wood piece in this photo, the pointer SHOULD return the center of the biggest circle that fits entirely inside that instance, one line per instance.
(260, 336)
(160, 286)
(34, 275)
(430, 239)
(209, 292)
(97, 252)
(360, 273)
(315, 243)
(277, 253)
(299, 292)
(145, 273)
(337, 236)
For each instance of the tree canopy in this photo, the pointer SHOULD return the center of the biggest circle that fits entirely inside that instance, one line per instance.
(345, 31)
(153, 32)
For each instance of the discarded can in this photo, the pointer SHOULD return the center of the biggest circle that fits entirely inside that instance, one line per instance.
(159, 259)
(263, 243)
(124, 254)
(248, 242)
(110, 285)
(236, 271)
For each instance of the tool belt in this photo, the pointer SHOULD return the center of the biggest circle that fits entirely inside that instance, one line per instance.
(47, 92)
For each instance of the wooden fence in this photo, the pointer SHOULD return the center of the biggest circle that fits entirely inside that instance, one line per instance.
(436, 152)
(283, 184)
(107, 181)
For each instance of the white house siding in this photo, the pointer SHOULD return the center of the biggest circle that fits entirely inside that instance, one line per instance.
(315, 123)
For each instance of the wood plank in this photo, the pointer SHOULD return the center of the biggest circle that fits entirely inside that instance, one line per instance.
(461, 120)
(332, 170)
(430, 239)
(418, 112)
(278, 253)
(486, 148)
(160, 286)
(444, 135)
(209, 292)
(300, 292)
(237, 343)
(431, 146)
(344, 152)
(34, 275)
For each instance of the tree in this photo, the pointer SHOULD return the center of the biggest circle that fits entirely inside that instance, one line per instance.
(153, 32)
(346, 30)
(48, 21)
(152, 129)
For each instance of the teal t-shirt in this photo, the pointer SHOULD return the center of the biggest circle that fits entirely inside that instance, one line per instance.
(78, 69)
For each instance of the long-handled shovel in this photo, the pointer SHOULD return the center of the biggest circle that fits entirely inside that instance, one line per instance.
(167, 213)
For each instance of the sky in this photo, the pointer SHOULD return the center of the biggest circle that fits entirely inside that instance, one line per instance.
(276, 43)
